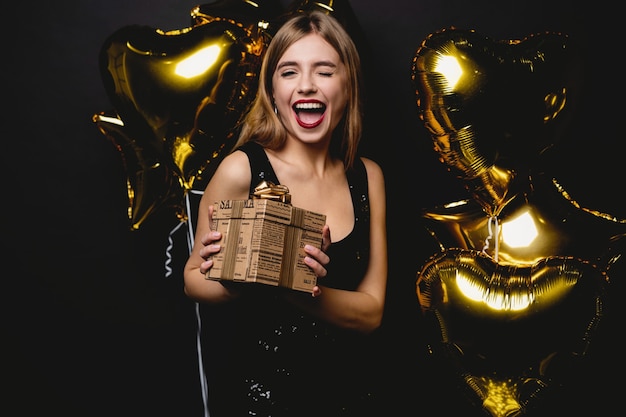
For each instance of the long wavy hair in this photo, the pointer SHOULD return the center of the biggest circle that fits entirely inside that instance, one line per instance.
(262, 125)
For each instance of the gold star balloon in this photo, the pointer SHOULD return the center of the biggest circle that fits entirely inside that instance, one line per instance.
(179, 97)
(519, 288)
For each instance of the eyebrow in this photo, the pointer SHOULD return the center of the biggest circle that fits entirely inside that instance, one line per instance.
(316, 64)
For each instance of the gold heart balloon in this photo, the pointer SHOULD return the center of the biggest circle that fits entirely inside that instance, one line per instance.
(179, 97)
(493, 107)
(521, 283)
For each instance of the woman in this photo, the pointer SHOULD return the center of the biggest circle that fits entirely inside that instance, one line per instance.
(298, 354)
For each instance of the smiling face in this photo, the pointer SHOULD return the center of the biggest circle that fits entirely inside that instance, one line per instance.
(310, 89)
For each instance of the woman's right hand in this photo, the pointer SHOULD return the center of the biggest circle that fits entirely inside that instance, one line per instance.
(197, 286)
(209, 247)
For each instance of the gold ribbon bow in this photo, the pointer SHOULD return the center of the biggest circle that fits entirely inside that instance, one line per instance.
(271, 191)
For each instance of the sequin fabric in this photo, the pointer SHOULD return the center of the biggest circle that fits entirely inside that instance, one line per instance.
(287, 363)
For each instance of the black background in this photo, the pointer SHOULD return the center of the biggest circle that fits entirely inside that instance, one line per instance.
(94, 328)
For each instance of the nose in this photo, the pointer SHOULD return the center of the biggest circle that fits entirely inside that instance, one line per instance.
(307, 84)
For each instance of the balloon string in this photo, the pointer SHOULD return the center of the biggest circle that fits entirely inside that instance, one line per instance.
(493, 220)
(189, 224)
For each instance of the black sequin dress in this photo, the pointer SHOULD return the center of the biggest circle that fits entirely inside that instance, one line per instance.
(284, 362)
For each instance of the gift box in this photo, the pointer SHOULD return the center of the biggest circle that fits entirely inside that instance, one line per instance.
(263, 240)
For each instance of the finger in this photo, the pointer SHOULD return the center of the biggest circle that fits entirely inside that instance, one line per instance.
(210, 250)
(205, 266)
(316, 291)
(316, 266)
(317, 254)
(325, 238)
(211, 210)
(209, 238)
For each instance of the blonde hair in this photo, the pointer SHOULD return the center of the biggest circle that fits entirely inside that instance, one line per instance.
(262, 125)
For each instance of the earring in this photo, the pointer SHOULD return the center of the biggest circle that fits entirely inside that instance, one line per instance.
(275, 109)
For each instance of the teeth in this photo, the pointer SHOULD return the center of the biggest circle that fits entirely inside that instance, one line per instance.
(309, 106)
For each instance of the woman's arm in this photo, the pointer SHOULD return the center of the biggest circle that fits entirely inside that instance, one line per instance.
(361, 310)
(231, 181)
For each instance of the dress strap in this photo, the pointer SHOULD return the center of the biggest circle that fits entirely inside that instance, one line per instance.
(357, 180)
(259, 165)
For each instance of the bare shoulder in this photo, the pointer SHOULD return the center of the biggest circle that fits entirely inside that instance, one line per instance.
(375, 181)
(233, 163)
(232, 177)
(374, 171)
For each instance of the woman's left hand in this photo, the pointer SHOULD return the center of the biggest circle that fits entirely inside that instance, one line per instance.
(317, 259)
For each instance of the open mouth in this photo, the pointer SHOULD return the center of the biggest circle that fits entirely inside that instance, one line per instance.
(309, 114)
